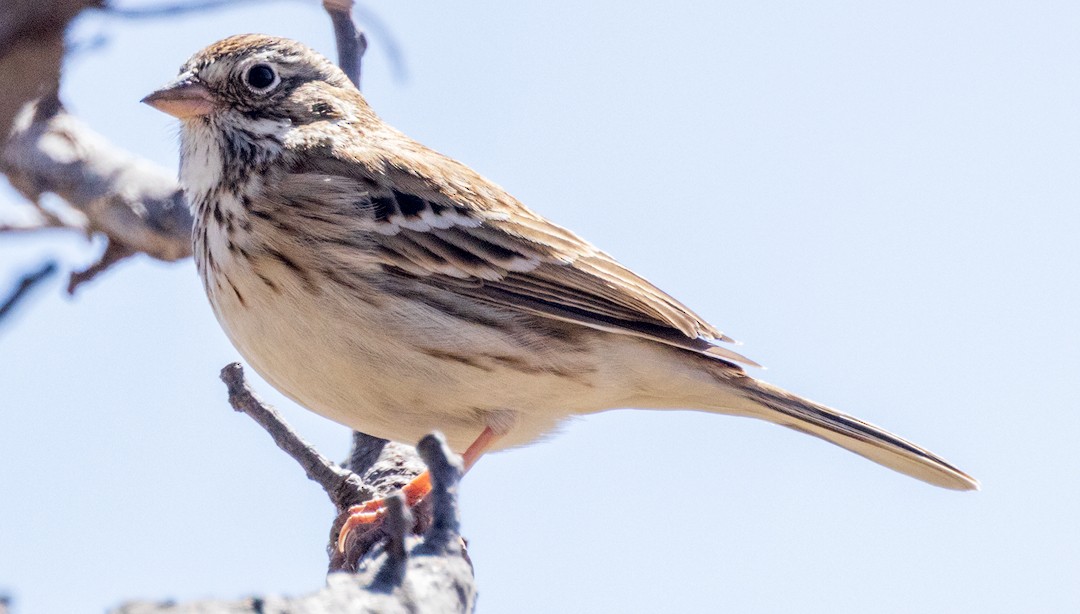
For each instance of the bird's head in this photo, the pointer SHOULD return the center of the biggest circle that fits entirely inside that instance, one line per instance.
(246, 100)
(256, 77)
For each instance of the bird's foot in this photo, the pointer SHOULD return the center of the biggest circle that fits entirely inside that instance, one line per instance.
(373, 511)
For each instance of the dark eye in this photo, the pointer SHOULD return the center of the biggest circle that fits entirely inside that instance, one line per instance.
(261, 77)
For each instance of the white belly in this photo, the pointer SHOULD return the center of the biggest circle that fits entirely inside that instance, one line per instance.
(397, 370)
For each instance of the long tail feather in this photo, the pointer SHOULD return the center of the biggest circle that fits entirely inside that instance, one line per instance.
(853, 434)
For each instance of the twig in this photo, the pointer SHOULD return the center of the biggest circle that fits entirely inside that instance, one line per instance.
(436, 516)
(398, 524)
(446, 470)
(44, 220)
(382, 33)
(407, 573)
(114, 252)
(37, 226)
(365, 452)
(342, 486)
(25, 284)
(351, 42)
(339, 11)
(168, 10)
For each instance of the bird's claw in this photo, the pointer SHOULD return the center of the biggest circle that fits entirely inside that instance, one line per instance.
(359, 515)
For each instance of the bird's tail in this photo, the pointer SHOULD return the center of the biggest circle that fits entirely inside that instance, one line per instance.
(722, 388)
(780, 406)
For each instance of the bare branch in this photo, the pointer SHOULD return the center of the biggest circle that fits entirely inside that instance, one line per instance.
(47, 151)
(351, 42)
(384, 35)
(365, 451)
(23, 287)
(439, 570)
(398, 523)
(419, 577)
(130, 200)
(114, 252)
(446, 470)
(342, 486)
(47, 221)
(169, 10)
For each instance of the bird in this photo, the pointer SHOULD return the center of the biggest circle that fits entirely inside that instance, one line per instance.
(396, 291)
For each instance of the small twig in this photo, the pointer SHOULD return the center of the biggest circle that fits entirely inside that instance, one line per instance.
(339, 11)
(37, 227)
(43, 220)
(398, 525)
(24, 285)
(446, 470)
(383, 34)
(114, 252)
(80, 46)
(39, 218)
(342, 486)
(351, 42)
(168, 10)
(365, 452)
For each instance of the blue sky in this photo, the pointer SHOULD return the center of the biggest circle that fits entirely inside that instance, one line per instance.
(879, 199)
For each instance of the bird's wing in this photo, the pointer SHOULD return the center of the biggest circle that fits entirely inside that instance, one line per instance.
(435, 219)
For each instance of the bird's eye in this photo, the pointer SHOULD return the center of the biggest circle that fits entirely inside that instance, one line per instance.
(261, 77)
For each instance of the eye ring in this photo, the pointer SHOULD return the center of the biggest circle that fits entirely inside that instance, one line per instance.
(261, 78)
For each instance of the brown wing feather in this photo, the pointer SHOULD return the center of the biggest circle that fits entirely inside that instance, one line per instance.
(447, 224)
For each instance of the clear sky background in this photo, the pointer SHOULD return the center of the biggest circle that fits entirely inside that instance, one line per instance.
(879, 199)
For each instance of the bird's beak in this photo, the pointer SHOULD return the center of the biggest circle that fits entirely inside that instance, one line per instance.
(184, 98)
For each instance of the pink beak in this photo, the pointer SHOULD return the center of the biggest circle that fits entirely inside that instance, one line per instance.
(184, 98)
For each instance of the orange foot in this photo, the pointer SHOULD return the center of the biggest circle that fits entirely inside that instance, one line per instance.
(372, 511)
(415, 491)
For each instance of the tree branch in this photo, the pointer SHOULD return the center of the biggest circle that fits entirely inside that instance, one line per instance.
(131, 201)
(169, 10)
(383, 34)
(342, 486)
(385, 469)
(136, 205)
(351, 42)
(394, 570)
(24, 286)
(430, 573)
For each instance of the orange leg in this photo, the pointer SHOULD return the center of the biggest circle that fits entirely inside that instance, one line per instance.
(414, 491)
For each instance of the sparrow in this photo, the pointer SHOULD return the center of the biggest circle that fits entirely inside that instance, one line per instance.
(394, 290)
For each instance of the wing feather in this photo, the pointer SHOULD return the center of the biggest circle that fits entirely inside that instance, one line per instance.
(452, 228)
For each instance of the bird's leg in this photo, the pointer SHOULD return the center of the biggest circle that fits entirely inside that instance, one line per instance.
(415, 491)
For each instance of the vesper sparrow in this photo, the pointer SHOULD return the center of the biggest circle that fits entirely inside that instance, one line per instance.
(394, 290)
